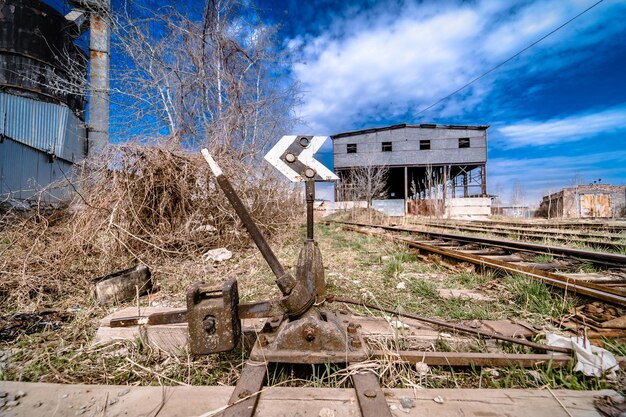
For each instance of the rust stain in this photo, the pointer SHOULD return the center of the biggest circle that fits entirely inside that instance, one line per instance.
(595, 205)
(97, 24)
(97, 54)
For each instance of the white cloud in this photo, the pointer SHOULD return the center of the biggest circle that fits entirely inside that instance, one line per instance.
(379, 65)
(562, 130)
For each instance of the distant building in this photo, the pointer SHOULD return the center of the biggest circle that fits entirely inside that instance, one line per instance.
(42, 129)
(585, 201)
(514, 211)
(425, 162)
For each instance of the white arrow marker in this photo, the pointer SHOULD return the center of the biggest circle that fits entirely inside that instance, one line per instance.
(304, 156)
(273, 157)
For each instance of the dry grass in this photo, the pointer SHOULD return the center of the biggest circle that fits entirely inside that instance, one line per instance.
(153, 205)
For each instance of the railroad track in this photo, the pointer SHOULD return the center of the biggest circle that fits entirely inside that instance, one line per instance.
(603, 226)
(554, 265)
(604, 240)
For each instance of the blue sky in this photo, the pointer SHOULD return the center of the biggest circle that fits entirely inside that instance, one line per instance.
(557, 112)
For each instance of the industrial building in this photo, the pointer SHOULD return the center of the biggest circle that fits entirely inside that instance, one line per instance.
(585, 201)
(427, 165)
(42, 99)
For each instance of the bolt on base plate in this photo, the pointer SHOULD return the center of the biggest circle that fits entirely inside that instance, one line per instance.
(319, 336)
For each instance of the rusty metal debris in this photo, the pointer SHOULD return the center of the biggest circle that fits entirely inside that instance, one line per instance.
(370, 396)
(245, 397)
(15, 325)
(123, 285)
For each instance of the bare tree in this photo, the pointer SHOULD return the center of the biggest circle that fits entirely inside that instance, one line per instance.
(518, 197)
(432, 190)
(550, 195)
(218, 80)
(369, 182)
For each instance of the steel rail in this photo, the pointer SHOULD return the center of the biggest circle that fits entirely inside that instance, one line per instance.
(613, 259)
(608, 294)
(558, 225)
(521, 230)
(611, 242)
(565, 282)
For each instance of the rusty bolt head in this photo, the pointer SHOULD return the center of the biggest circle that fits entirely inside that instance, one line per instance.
(370, 393)
(309, 332)
(291, 158)
(356, 342)
(263, 340)
(209, 324)
(351, 328)
(309, 173)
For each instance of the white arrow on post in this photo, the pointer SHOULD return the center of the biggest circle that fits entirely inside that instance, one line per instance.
(293, 157)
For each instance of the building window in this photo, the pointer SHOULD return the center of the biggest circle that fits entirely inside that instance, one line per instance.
(464, 142)
(387, 147)
(351, 147)
(424, 145)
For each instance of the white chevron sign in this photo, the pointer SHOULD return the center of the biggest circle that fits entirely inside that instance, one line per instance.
(293, 156)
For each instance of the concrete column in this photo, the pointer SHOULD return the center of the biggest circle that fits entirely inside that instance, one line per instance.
(483, 180)
(99, 57)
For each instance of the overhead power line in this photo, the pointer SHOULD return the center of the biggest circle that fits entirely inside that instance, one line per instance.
(509, 59)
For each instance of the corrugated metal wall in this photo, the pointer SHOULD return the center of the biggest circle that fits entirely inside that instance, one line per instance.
(25, 170)
(405, 145)
(45, 126)
(31, 131)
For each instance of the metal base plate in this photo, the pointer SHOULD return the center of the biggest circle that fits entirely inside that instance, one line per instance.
(319, 336)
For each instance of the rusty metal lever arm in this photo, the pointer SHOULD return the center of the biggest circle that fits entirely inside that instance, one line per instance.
(296, 297)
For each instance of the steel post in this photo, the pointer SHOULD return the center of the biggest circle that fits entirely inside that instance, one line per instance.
(310, 198)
